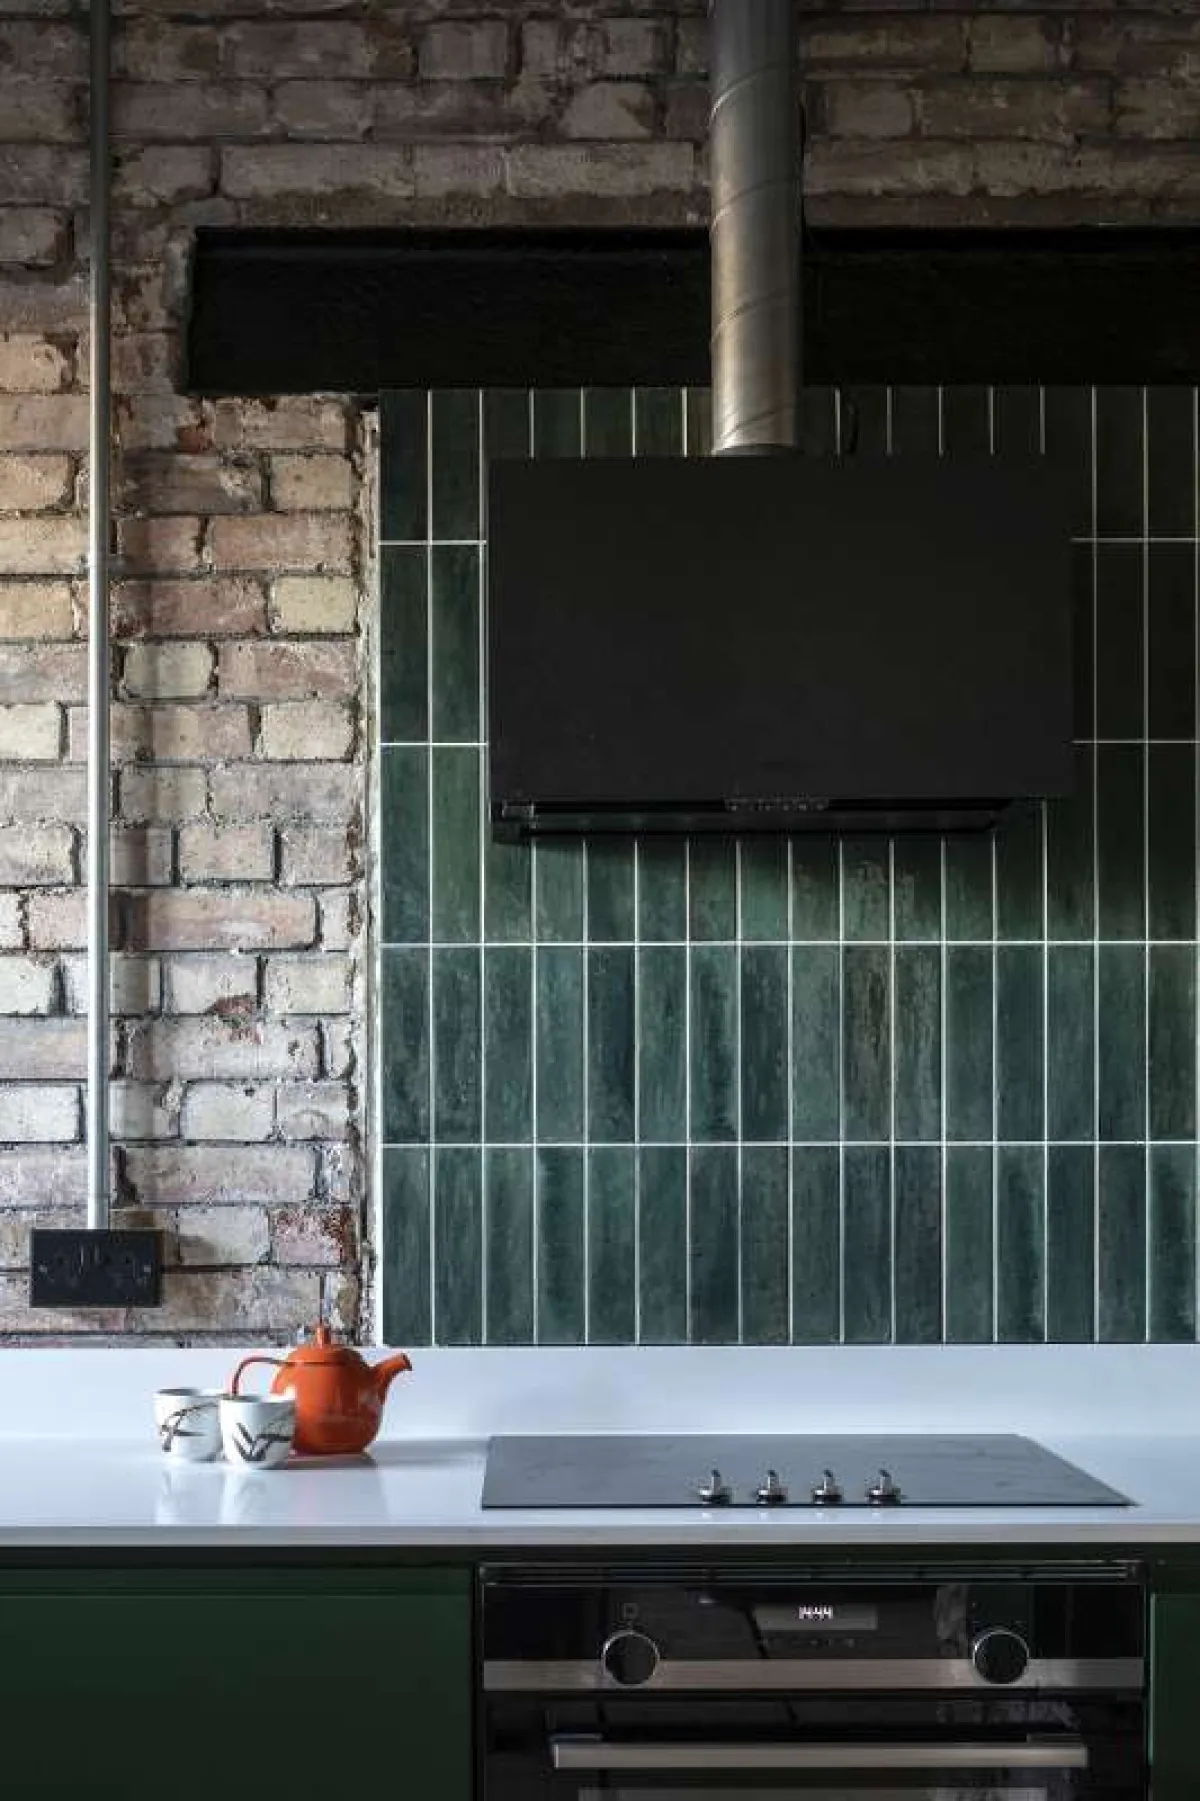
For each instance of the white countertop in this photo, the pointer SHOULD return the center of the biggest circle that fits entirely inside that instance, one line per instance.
(80, 1465)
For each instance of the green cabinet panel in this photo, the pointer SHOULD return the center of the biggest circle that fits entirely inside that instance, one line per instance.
(127, 1686)
(1174, 1687)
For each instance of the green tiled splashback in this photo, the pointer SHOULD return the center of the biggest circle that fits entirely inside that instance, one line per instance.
(807, 1090)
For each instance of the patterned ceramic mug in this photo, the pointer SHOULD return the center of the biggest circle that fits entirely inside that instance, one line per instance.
(189, 1427)
(257, 1431)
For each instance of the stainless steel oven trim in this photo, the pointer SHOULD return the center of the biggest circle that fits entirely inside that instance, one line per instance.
(574, 1753)
(845, 1674)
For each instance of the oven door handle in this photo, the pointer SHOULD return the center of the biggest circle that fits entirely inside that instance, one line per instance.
(583, 1753)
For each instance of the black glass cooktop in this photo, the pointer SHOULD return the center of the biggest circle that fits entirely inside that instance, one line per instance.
(838, 1470)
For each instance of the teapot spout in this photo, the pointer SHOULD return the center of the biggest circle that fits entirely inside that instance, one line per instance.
(385, 1373)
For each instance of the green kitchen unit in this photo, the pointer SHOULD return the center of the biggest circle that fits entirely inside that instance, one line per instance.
(1175, 1680)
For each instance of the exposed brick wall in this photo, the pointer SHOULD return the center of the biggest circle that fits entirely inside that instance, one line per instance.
(242, 607)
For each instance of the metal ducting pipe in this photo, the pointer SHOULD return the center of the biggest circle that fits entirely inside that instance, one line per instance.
(755, 147)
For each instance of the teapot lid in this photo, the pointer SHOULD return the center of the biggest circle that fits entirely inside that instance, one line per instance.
(323, 1350)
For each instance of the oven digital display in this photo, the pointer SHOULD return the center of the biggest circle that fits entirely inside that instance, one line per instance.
(817, 1617)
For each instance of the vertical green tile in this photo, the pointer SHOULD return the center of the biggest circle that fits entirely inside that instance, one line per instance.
(1119, 462)
(968, 423)
(404, 1015)
(506, 424)
(969, 1244)
(1019, 874)
(816, 1246)
(1171, 623)
(610, 1057)
(1071, 1244)
(612, 1247)
(867, 1254)
(458, 1240)
(1120, 634)
(764, 888)
(457, 1040)
(404, 834)
(764, 1038)
(610, 891)
(697, 422)
(607, 422)
(765, 1247)
(507, 891)
(1068, 442)
(1020, 1238)
(969, 1073)
(454, 463)
(662, 890)
(1171, 829)
(1171, 1033)
(866, 1043)
(558, 1041)
(559, 1214)
(917, 886)
(455, 848)
(1173, 1243)
(916, 420)
(403, 469)
(1019, 1048)
(713, 1075)
(1170, 461)
(662, 1041)
(1083, 637)
(815, 889)
(712, 898)
(918, 1214)
(1121, 1244)
(658, 422)
(1121, 1036)
(1017, 421)
(816, 1042)
(1070, 857)
(918, 1061)
(454, 618)
(405, 1254)
(713, 1263)
(509, 1239)
(1070, 1041)
(970, 877)
(558, 893)
(865, 427)
(866, 887)
(662, 1245)
(403, 643)
(508, 1045)
(557, 422)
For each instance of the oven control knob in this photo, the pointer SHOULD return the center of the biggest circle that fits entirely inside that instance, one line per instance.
(630, 1658)
(1000, 1655)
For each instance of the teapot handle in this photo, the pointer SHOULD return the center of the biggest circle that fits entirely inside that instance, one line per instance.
(245, 1365)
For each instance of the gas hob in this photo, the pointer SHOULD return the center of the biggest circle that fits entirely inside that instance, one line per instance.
(821, 1471)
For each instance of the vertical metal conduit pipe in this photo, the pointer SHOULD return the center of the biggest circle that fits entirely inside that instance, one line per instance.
(755, 145)
(99, 661)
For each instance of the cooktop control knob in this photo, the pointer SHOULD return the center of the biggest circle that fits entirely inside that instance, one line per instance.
(1000, 1655)
(630, 1658)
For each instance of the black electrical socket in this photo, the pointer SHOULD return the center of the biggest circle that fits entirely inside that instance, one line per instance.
(80, 1268)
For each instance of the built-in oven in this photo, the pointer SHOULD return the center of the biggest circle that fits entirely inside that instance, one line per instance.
(991, 1683)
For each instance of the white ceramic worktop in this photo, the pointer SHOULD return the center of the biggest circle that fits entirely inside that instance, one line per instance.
(80, 1465)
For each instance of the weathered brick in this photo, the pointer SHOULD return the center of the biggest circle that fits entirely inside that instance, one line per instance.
(278, 541)
(868, 109)
(1052, 112)
(440, 170)
(241, 1112)
(33, 609)
(33, 48)
(279, 1301)
(42, 796)
(316, 984)
(229, 606)
(1162, 44)
(313, 1236)
(576, 49)
(161, 795)
(170, 545)
(293, 422)
(202, 983)
(686, 111)
(208, 1049)
(145, 362)
(324, 109)
(175, 110)
(41, 422)
(42, 545)
(167, 671)
(292, 670)
(311, 484)
(299, 730)
(898, 167)
(168, 732)
(42, 672)
(30, 483)
(55, 920)
(341, 923)
(268, 171)
(223, 1236)
(43, 112)
(37, 1112)
(610, 109)
(141, 856)
(42, 175)
(230, 853)
(321, 793)
(894, 41)
(15, 1228)
(601, 171)
(42, 1049)
(135, 984)
(307, 1110)
(1147, 108)
(691, 46)
(163, 174)
(32, 732)
(49, 1178)
(154, 51)
(277, 50)
(162, 422)
(30, 235)
(176, 1175)
(635, 46)
(310, 856)
(1006, 43)
(143, 1110)
(12, 932)
(494, 110)
(28, 985)
(165, 482)
(310, 603)
(237, 919)
(32, 364)
(455, 50)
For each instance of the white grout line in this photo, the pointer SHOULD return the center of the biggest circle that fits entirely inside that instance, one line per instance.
(535, 1165)
(1146, 1238)
(1196, 788)
(587, 1044)
(1045, 818)
(978, 944)
(803, 1144)
(892, 1075)
(944, 967)
(429, 842)
(481, 595)
(995, 1098)
(637, 1017)
(841, 1075)
(687, 1079)
(737, 1040)
(1095, 888)
(791, 1099)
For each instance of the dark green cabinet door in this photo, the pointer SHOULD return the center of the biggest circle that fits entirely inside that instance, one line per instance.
(181, 1685)
(1175, 1697)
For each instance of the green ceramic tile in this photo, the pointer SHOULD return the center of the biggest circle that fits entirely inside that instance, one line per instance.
(559, 1213)
(916, 420)
(558, 1041)
(662, 1039)
(866, 1044)
(404, 1013)
(1121, 1244)
(1171, 828)
(1120, 509)
(968, 1053)
(816, 1042)
(1019, 874)
(508, 1189)
(1071, 1244)
(455, 628)
(611, 1058)
(1171, 1036)
(455, 874)
(508, 1046)
(1121, 1035)
(1070, 857)
(764, 888)
(1020, 973)
(557, 422)
(1083, 638)
(713, 1075)
(454, 463)
(1120, 635)
(815, 888)
(662, 890)
(458, 1246)
(1020, 1237)
(662, 1245)
(867, 1255)
(712, 877)
(1171, 621)
(918, 1060)
(1068, 442)
(713, 1263)
(764, 1042)
(612, 1247)
(1170, 461)
(404, 834)
(507, 891)
(866, 888)
(403, 643)
(865, 421)
(1070, 1041)
(558, 893)
(917, 886)
(457, 1041)
(607, 422)
(610, 891)
(969, 1244)
(968, 423)
(404, 1253)
(820, 410)
(506, 424)
(1120, 837)
(816, 1246)
(697, 422)
(403, 468)
(1173, 1243)
(970, 878)
(918, 1226)
(764, 1244)
(1017, 421)
(658, 422)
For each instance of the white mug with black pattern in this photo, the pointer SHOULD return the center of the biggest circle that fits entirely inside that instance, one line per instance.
(257, 1431)
(189, 1425)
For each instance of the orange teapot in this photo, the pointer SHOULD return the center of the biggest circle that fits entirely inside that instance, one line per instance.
(339, 1396)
